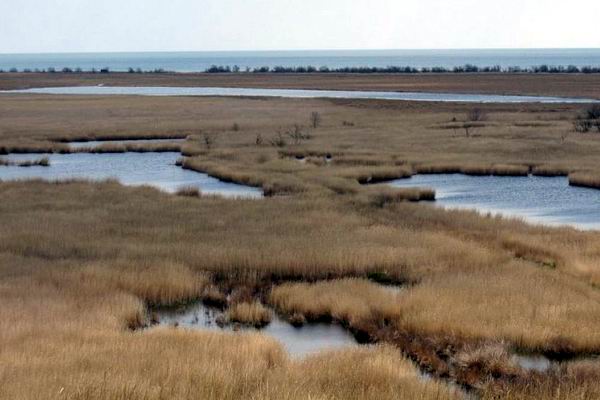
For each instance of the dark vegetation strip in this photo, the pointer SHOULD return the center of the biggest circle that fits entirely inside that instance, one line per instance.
(467, 68)
(42, 162)
(109, 137)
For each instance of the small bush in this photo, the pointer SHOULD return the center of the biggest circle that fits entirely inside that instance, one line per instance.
(588, 119)
(188, 191)
(278, 140)
(259, 140)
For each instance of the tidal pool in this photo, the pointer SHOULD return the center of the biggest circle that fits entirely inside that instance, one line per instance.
(532, 362)
(135, 169)
(302, 341)
(299, 93)
(549, 201)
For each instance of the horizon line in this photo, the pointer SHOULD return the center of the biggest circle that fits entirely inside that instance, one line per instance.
(302, 50)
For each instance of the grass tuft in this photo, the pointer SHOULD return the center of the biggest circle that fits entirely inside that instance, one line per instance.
(254, 314)
(188, 191)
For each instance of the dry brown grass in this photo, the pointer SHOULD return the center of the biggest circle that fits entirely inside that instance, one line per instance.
(71, 329)
(188, 191)
(41, 162)
(250, 314)
(350, 301)
(585, 179)
(470, 168)
(80, 261)
(383, 195)
(550, 170)
(130, 147)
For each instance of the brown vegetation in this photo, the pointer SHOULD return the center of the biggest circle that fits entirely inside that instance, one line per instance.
(42, 162)
(574, 85)
(80, 262)
(188, 191)
(585, 179)
(254, 314)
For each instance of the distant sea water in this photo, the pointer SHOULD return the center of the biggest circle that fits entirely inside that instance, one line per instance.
(200, 61)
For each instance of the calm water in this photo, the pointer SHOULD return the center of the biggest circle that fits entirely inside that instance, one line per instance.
(298, 93)
(537, 199)
(308, 339)
(200, 61)
(100, 143)
(153, 169)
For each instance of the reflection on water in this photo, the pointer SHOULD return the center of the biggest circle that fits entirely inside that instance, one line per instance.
(543, 200)
(100, 143)
(533, 362)
(309, 338)
(153, 169)
(299, 93)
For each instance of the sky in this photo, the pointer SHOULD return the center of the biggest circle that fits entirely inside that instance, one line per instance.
(34, 26)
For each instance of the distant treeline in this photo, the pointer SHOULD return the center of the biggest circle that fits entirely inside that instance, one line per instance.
(468, 68)
(67, 70)
(219, 69)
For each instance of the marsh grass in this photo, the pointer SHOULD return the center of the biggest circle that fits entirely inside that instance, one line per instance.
(130, 147)
(376, 174)
(585, 179)
(41, 162)
(383, 195)
(550, 170)
(477, 169)
(352, 302)
(80, 261)
(254, 314)
(188, 191)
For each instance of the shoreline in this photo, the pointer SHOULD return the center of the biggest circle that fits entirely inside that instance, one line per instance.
(555, 85)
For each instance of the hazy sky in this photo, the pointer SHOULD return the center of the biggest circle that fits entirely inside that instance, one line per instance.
(163, 25)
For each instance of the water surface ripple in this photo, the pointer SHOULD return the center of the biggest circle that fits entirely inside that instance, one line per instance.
(135, 169)
(543, 200)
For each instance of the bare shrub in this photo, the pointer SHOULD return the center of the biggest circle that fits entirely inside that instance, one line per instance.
(315, 119)
(593, 112)
(297, 134)
(588, 119)
(278, 140)
(209, 139)
(476, 115)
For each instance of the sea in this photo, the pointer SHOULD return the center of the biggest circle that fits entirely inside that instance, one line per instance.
(248, 60)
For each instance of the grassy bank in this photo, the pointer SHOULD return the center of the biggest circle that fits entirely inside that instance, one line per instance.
(585, 179)
(40, 162)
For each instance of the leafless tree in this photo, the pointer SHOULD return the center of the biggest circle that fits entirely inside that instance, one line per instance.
(315, 119)
(297, 134)
(476, 115)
